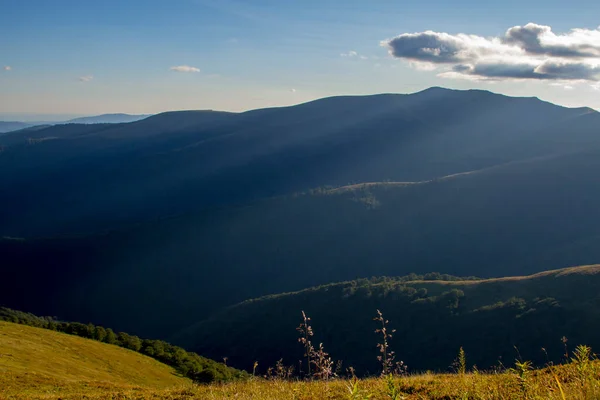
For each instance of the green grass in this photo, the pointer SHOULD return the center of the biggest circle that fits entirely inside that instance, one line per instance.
(38, 363)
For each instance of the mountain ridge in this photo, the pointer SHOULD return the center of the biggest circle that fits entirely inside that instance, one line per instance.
(174, 206)
(283, 150)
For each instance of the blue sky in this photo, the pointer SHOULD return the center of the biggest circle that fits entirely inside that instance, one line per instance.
(91, 57)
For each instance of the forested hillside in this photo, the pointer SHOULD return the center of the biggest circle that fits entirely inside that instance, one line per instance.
(496, 321)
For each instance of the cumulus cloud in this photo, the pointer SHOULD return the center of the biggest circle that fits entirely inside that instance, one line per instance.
(539, 39)
(7, 68)
(86, 78)
(523, 52)
(185, 68)
(293, 90)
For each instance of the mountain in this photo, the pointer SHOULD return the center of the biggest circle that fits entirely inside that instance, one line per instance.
(41, 360)
(7, 126)
(432, 318)
(107, 119)
(110, 175)
(181, 214)
(12, 126)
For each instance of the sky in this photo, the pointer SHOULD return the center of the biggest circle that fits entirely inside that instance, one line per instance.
(64, 57)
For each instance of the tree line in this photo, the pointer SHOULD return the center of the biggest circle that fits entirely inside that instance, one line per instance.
(188, 364)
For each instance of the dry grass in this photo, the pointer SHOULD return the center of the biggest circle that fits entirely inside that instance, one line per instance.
(41, 364)
(540, 385)
(38, 363)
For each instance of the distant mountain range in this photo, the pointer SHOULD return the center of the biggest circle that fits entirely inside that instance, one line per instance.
(107, 119)
(183, 213)
(8, 126)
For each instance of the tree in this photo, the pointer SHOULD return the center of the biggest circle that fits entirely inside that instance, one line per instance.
(100, 334)
(110, 338)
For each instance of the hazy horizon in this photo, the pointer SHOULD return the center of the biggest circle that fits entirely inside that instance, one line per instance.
(41, 118)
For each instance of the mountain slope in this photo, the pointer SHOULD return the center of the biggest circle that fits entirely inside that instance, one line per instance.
(181, 221)
(519, 218)
(432, 319)
(45, 361)
(100, 177)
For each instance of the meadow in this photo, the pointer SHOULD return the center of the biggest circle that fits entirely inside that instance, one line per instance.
(42, 364)
(566, 382)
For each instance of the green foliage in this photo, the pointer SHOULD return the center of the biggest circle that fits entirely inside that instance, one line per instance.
(523, 371)
(393, 392)
(461, 362)
(111, 337)
(356, 393)
(190, 365)
(433, 320)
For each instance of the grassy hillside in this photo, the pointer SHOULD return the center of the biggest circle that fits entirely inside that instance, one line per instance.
(579, 379)
(41, 364)
(187, 364)
(35, 361)
(432, 318)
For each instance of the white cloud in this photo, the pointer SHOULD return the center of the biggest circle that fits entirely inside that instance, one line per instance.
(422, 66)
(86, 78)
(7, 68)
(293, 90)
(184, 68)
(354, 54)
(531, 52)
(539, 39)
(563, 85)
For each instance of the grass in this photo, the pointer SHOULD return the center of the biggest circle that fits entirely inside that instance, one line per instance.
(41, 364)
(38, 363)
(542, 384)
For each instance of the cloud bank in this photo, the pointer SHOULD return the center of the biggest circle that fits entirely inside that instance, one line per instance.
(87, 78)
(185, 68)
(531, 52)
